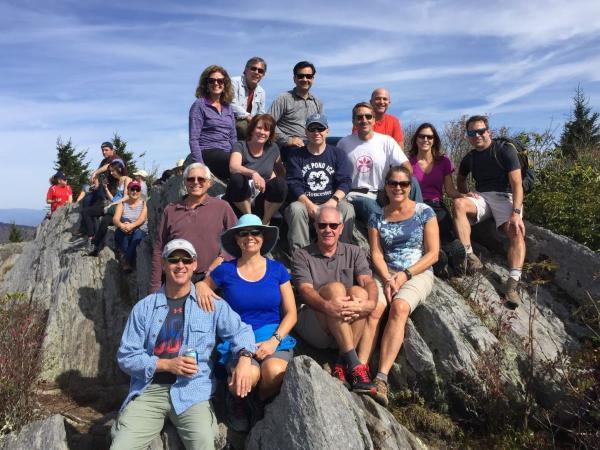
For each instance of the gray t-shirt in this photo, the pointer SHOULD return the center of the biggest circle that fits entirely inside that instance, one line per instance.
(263, 164)
(310, 266)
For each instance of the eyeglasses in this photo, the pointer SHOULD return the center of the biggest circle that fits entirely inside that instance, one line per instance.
(257, 69)
(187, 260)
(135, 190)
(199, 180)
(323, 225)
(394, 183)
(220, 81)
(246, 233)
(430, 137)
(479, 131)
(316, 129)
(363, 116)
(308, 76)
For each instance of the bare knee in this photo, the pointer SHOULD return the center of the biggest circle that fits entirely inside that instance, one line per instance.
(272, 369)
(332, 290)
(378, 311)
(399, 310)
(460, 206)
(357, 291)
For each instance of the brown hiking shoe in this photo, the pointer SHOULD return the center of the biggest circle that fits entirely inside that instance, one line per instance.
(382, 392)
(511, 294)
(473, 263)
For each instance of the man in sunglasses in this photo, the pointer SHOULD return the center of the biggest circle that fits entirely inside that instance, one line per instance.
(339, 294)
(318, 174)
(384, 123)
(371, 155)
(291, 109)
(166, 350)
(248, 96)
(198, 218)
(498, 193)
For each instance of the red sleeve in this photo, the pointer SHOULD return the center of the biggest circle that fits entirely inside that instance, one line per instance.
(161, 238)
(50, 194)
(397, 133)
(70, 190)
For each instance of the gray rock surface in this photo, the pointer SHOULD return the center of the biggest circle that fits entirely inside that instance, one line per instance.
(47, 434)
(314, 411)
(9, 253)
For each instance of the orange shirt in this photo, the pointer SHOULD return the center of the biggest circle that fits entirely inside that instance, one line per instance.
(60, 194)
(389, 125)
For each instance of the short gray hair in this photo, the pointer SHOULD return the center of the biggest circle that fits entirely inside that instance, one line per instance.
(197, 165)
(325, 208)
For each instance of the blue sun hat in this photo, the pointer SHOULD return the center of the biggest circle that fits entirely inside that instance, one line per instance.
(270, 235)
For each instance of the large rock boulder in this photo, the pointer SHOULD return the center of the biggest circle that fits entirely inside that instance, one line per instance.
(47, 434)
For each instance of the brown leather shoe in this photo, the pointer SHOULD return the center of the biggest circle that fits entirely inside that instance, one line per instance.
(511, 294)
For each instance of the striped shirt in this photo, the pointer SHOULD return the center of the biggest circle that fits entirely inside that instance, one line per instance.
(132, 212)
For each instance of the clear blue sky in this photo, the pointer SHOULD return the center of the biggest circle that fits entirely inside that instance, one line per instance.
(85, 69)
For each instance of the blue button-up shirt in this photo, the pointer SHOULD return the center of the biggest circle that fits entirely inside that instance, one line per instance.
(240, 98)
(200, 330)
(210, 129)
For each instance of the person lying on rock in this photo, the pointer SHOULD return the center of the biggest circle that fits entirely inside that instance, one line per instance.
(405, 243)
(198, 218)
(334, 281)
(166, 350)
(259, 290)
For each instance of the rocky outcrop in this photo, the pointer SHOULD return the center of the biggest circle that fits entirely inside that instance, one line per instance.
(315, 411)
(47, 434)
(9, 254)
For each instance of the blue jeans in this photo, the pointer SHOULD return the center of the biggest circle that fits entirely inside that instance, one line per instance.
(128, 243)
(415, 191)
(364, 207)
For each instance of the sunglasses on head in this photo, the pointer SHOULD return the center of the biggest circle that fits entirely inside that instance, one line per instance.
(187, 260)
(308, 76)
(316, 129)
(245, 233)
(323, 225)
(199, 180)
(363, 116)
(220, 81)
(394, 183)
(257, 69)
(430, 137)
(479, 131)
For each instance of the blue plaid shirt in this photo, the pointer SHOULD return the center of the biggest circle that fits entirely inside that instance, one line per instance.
(200, 330)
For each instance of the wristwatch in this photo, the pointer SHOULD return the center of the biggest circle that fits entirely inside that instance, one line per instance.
(247, 353)
(408, 273)
(336, 198)
(517, 210)
(278, 337)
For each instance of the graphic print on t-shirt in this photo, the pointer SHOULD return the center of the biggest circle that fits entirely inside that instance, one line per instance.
(169, 339)
(364, 164)
(318, 176)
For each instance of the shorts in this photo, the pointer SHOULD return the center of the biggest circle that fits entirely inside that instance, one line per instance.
(309, 328)
(498, 205)
(286, 355)
(414, 291)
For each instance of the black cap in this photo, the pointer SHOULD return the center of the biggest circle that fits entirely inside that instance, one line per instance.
(107, 144)
(60, 175)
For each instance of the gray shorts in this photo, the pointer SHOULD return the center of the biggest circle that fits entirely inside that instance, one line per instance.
(309, 328)
(498, 205)
(286, 355)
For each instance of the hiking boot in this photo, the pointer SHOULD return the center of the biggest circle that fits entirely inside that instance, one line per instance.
(473, 263)
(511, 294)
(360, 381)
(339, 372)
(236, 417)
(382, 392)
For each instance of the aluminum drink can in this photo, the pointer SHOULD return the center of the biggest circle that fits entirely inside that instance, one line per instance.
(190, 352)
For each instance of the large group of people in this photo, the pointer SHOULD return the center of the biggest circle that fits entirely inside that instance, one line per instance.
(215, 287)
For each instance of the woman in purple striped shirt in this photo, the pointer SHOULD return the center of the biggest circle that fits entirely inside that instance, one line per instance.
(212, 123)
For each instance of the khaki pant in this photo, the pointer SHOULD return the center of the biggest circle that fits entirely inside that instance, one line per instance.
(144, 417)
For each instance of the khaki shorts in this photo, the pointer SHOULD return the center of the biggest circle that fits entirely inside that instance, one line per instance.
(498, 205)
(414, 291)
(309, 328)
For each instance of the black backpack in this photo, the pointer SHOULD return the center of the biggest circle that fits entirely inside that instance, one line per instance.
(527, 172)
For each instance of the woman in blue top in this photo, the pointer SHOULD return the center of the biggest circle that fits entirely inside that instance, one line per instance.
(404, 242)
(259, 290)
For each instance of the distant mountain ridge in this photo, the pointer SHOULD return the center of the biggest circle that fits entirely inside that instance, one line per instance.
(22, 216)
(26, 232)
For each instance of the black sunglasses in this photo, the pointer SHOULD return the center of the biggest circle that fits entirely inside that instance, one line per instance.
(317, 129)
(323, 225)
(479, 131)
(245, 233)
(220, 81)
(257, 69)
(363, 116)
(308, 76)
(430, 137)
(134, 190)
(199, 180)
(187, 260)
(394, 183)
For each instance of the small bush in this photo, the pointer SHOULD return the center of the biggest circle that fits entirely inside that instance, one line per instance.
(21, 335)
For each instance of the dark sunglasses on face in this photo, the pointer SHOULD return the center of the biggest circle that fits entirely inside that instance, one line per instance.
(479, 131)
(134, 190)
(187, 260)
(220, 81)
(257, 69)
(430, 137)
(363, 116)
(323, 225)
(316, 129)
(308, 76)
(394, 183)
(199, 180)
(245, 233)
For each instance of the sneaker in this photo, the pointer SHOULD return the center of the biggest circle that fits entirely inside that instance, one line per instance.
(339, 372)
(473, 263)
(237, 417)
(360, 381)
(382, 392)
(511, 294)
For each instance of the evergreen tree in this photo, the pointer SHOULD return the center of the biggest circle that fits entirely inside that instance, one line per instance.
(127, 156)
(15, 233)
(582, 132)
(72, 163)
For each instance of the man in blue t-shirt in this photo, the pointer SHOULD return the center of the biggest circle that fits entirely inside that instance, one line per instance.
(317, 174)
(498, 193)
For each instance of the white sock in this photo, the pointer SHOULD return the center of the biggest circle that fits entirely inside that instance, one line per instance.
(468, 249)
(515, 274)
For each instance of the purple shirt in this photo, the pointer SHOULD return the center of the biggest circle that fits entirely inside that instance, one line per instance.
(432, 183)
(210, 129)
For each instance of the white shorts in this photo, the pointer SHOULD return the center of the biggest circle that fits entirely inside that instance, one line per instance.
(498, 205)
(413, 292)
